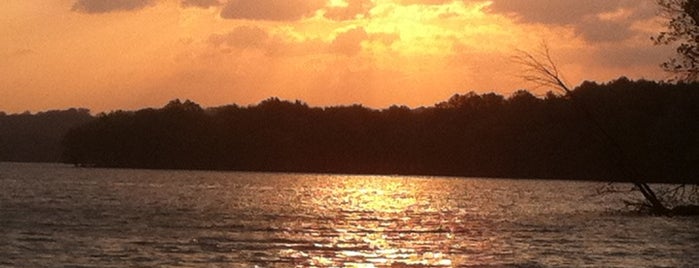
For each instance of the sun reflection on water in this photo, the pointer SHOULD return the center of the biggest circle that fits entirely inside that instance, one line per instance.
(211, 219)
(379, 222)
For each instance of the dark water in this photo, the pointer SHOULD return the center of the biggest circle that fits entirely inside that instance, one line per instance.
(59, 216)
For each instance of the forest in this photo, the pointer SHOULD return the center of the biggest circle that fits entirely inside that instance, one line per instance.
(28, 137)
(654, 124)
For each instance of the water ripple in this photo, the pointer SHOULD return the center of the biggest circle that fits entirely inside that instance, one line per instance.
(54, 216)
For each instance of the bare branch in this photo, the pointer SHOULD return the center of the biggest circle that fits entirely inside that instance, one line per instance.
(540, 69)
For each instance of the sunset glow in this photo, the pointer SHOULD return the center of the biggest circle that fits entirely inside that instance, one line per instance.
(129, 54)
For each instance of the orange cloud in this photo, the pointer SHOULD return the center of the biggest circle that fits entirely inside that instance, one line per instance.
(350, 11)
(349, 43)
(587, 18)
(104, 6)
(242, 37)
(424, 2)
(200, 3)
(275, 10)
(326, 52)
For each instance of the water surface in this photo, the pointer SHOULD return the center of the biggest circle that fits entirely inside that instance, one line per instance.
(58, 216)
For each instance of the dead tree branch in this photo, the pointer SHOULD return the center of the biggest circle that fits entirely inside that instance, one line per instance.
(540, 68)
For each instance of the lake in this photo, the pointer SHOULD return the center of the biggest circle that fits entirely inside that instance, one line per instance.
(59, 216)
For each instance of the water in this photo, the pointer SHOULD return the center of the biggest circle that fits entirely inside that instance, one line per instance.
(59, 216)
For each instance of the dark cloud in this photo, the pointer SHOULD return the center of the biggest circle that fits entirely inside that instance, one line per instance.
(598, 31)
(553, 11)
(274, 10)
(200, 3)
(584, 16)
(106, 6)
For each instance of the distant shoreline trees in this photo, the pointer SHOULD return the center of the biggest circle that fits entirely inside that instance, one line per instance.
(488, 135)
(28, 137)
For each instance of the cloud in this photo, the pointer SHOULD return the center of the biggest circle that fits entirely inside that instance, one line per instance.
(350, 42)
(106, 6)
(255, 39)
(553, 11)
(242, 37)
(23, 52)
(598, 31)
(200, 3)
(625, 56)
(424, 2)
(594, 20)
(386, 39)
(347, 43)
(351, 11)
(273, 10)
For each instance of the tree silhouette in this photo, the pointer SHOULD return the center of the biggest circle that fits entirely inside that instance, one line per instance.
(541, 69)
(36, 137)
(682, 28)
(484, 135)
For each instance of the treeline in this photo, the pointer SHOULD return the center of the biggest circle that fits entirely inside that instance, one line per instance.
(37, 137)
(656, 126)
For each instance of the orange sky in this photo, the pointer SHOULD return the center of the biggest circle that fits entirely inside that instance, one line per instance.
(129, 54)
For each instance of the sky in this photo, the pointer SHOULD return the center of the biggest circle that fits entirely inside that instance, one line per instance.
(106, 55)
